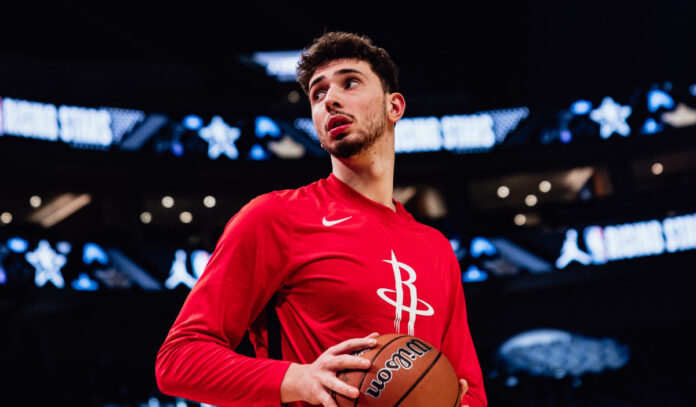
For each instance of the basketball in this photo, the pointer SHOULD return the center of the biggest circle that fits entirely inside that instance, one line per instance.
(406, 371)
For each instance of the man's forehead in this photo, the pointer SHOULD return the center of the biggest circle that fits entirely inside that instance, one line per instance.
(330, 67)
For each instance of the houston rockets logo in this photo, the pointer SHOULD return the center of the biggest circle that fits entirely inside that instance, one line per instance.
(412, 306)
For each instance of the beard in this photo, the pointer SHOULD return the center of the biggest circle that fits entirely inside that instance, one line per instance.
(365, 137)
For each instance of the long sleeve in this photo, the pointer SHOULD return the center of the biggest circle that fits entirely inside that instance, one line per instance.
(459, 347)
(197, 359)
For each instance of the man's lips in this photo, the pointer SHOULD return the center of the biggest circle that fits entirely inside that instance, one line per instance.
(338, 130)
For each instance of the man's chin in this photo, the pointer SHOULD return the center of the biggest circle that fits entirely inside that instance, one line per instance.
(346, 148)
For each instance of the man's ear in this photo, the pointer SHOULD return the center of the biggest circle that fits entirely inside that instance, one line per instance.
(396, 106)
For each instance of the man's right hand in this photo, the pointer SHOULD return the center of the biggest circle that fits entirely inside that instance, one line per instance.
(313, 383)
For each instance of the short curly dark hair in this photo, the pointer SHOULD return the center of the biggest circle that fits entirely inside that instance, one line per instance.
(339, 45)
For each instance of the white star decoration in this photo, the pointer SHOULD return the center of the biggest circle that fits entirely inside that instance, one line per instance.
(220, 137)
(611, 118)
(47, 264)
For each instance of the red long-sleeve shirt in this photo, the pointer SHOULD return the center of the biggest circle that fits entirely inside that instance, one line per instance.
(342, 266)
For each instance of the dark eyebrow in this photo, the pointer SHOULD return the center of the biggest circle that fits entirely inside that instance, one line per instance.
(341, 72)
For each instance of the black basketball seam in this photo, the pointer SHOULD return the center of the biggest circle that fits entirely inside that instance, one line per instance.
(459, 396)
(373, 359)
(419, 379)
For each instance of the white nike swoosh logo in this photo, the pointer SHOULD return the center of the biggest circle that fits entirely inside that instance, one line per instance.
(333, 222)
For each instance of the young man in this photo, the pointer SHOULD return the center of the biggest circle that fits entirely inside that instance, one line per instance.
(343, 259)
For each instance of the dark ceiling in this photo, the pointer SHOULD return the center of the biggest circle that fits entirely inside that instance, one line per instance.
(454, 58)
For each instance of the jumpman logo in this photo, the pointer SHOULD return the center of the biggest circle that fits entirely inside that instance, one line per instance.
(178, 273)
(571, 252)
(398, 302)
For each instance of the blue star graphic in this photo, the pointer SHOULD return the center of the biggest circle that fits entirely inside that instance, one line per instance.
(47, 264)
(611, 118)
(220, 137)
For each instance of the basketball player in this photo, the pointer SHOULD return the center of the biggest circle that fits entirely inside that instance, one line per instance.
(343, 259)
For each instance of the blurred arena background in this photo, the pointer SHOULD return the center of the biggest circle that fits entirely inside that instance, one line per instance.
(554, 143)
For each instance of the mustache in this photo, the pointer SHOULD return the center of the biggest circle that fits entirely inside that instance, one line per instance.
(337, 112)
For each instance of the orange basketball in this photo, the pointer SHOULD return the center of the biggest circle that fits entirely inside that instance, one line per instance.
(406, 371)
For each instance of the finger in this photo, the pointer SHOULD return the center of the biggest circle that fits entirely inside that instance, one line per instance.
(326, 400)
(373, 335)
(351, 345)
(338, 386)
(346, 361)
(464, 387)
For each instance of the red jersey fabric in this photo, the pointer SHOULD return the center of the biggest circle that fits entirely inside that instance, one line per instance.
(342, 266)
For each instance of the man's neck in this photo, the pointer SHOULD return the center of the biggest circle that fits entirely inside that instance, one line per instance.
(371, 172)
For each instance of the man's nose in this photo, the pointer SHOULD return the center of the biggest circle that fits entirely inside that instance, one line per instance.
(333, 99)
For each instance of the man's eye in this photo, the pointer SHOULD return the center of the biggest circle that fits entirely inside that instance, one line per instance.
(351, 83)
(318, 94)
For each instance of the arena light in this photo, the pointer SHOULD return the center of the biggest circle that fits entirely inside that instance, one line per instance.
(279, 64)
(178, 274)
(467, 132)
(6, 218)
(457, 133)
(557, 354)
(17, 244)
(611, 118)
(220, 137)
(651, 126)
(307, 126)
(265, 126)
(185, 217)
(193, 122)
(628, 241)
(85, 127)
(209, 201)
(35, 201)
(506, 121)
(30, 119)
(682, 116)
(60, 208)
(199, 259)
(657, 168)
(657, 99)
(481, 246)
(146, 217)
(294, 96)
(84, 283)
(47, 264)
(144, 132)
(92, 252)
(257, 153)
(474, 275)
(520, 219)
(167, 201)
(520, 257)
(581, 107)
(63, 247)
(123, 121)
(286, 148)
(128, 270)
(530, 200)
(418, 134)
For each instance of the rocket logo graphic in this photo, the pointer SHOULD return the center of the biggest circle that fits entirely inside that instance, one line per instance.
(412, 304)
